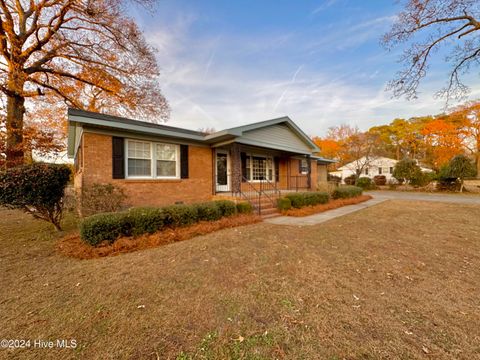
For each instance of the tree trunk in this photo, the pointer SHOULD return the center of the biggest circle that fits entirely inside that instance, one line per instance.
(15, 113)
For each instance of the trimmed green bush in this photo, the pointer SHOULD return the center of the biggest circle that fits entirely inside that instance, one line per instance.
(284, 204)
(345, 192)
(301, 199)
(209, 211)
(244, 208)
(110, 226)
(144, 220)
(180, 215)
(104, 227)
(227, 208)
(37, 189)
(297, 200)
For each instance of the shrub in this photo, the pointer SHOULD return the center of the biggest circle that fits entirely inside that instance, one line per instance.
(37, 189)
(209, 211)
(104, 227)
(244, 208)
(454, 173)
(100, 198)
(284, 204)
(380, 180)
(180, 215)
(144, 220)
(365, 183)
(301, 199)
(296, 199)
(110, 226)
(227, 208)
(422, 179)
(406, 170)
(345, 192)
(350, 180)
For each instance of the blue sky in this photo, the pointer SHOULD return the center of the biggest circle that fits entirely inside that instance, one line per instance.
(227, 63)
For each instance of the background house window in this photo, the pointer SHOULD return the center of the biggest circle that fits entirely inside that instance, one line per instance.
(153, 160)
(391, 170)
(366, 171)
(379, 171)
(139, 158)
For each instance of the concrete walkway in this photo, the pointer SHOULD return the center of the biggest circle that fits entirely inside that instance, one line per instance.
(324, 216)
(464, 198)
(378, 197)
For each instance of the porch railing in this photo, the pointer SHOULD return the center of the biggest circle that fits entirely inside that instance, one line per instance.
(251, 195)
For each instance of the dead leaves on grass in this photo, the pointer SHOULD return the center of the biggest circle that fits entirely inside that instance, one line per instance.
(73, 246)
(332, 204)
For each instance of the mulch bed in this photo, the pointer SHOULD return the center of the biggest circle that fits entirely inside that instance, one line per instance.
(332, 204)
(72, 246)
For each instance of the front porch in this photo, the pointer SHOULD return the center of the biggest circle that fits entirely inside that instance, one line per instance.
(242, 169)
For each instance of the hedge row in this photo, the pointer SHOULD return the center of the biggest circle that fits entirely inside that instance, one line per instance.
(345, 192)
(301, 199)
(137, 221)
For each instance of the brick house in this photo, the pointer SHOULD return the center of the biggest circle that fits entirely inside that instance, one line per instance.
(160, 165)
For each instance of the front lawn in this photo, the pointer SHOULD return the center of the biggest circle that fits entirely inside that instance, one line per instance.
(397, 280)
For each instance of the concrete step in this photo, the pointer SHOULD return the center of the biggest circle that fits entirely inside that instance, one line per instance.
(269, 216)
(268, 211)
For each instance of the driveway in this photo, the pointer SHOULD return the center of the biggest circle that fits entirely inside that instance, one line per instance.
(420, 196)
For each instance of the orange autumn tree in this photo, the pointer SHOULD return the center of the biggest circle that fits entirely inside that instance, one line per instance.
(86, 54)
(443, 140)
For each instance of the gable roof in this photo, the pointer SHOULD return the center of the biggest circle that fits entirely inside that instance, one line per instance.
(240, 131)
(78, 117)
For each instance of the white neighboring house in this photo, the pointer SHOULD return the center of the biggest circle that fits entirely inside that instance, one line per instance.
(375, 166)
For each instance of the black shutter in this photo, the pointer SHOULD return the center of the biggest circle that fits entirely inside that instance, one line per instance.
(118, 158)
(243, 157)
(184, 161)
(276, 162)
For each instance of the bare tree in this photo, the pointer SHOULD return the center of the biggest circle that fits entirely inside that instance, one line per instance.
(427, 25)
(88, 53)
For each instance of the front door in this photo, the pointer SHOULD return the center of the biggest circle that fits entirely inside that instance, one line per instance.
(222, 170)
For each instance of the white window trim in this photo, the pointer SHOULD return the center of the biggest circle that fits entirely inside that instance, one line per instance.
(249, 155)
(153, 162)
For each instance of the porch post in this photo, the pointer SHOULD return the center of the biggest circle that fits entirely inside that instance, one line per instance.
(236, 165)
(309, 173)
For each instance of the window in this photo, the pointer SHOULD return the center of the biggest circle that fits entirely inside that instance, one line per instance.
(166, 160)
(303, 166)
(151, 160)
(139, 158)
(259, 168)
(379, 171)
(391, 170)
(366, 171)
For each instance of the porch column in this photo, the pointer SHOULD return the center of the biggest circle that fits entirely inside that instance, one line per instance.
(236, 164)
(309, 173)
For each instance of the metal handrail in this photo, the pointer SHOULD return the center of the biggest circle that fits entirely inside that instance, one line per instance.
(257, 195)
(272, 186)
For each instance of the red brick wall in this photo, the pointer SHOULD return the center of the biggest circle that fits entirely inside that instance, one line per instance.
(97, 168)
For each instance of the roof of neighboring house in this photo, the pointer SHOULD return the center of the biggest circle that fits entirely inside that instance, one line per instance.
(250, 134)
